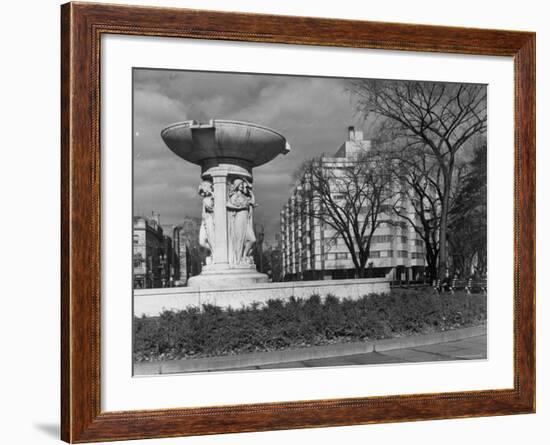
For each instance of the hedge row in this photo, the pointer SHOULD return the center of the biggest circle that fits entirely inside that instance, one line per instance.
(301, 322)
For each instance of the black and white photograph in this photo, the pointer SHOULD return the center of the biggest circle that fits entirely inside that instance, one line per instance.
(285, 221)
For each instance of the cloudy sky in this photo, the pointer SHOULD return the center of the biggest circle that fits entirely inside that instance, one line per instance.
(312, 113)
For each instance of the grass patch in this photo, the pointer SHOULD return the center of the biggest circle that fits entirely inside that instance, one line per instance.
(212, 331)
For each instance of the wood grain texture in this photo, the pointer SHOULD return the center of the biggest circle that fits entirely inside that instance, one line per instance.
(82, 26)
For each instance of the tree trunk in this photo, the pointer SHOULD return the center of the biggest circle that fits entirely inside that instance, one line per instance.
(443, 226)
(431, 260)
(360, 269)
(432, 267)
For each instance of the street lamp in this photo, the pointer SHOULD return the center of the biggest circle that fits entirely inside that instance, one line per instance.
(149, 271)
(261, 236)
(162, 269)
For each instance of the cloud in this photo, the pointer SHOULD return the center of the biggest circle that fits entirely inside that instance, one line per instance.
(311, 112)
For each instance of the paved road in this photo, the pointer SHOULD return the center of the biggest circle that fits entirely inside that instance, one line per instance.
(468, 349)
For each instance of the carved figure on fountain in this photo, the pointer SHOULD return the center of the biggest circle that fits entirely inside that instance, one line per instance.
(206, 231)
(241, 238)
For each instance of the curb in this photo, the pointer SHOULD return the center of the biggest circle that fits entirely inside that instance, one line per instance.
(299, 354)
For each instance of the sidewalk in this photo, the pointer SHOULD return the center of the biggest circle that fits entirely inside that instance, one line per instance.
(468, 349)
(460, 344)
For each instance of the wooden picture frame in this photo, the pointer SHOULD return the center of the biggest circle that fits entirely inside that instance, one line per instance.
(82, 26)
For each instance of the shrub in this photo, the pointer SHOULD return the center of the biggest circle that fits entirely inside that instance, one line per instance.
(212, 331)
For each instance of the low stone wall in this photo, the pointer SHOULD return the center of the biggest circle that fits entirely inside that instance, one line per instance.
(152, 302)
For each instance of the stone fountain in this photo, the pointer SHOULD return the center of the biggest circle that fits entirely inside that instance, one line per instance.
(226, 151)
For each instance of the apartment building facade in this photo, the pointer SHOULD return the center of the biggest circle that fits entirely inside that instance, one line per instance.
(313, 250)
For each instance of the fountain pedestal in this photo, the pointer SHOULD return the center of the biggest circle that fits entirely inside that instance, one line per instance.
(226, 151)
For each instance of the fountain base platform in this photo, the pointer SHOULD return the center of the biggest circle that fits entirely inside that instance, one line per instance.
(216, 277)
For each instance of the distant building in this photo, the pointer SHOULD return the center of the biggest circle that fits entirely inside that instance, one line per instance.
(311, 250)
(167, 263)
(189, 255)
(152, 254)
(276, 262)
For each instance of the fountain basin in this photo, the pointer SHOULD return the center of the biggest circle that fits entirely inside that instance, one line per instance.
(224, 141)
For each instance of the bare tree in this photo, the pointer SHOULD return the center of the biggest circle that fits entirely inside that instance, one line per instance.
(419, 189)
(350, 196)
(442, 117)
(420, 184)
(468, 219)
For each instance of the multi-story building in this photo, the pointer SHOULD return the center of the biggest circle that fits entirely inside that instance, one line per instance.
(312, 250)
(152, 254)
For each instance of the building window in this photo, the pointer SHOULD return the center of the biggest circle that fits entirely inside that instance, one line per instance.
(341, 256)
(418, 242)
(388, 253)
(402, 254)
(417, 255)
(374, 254)
(382, 239)
(402, 239)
